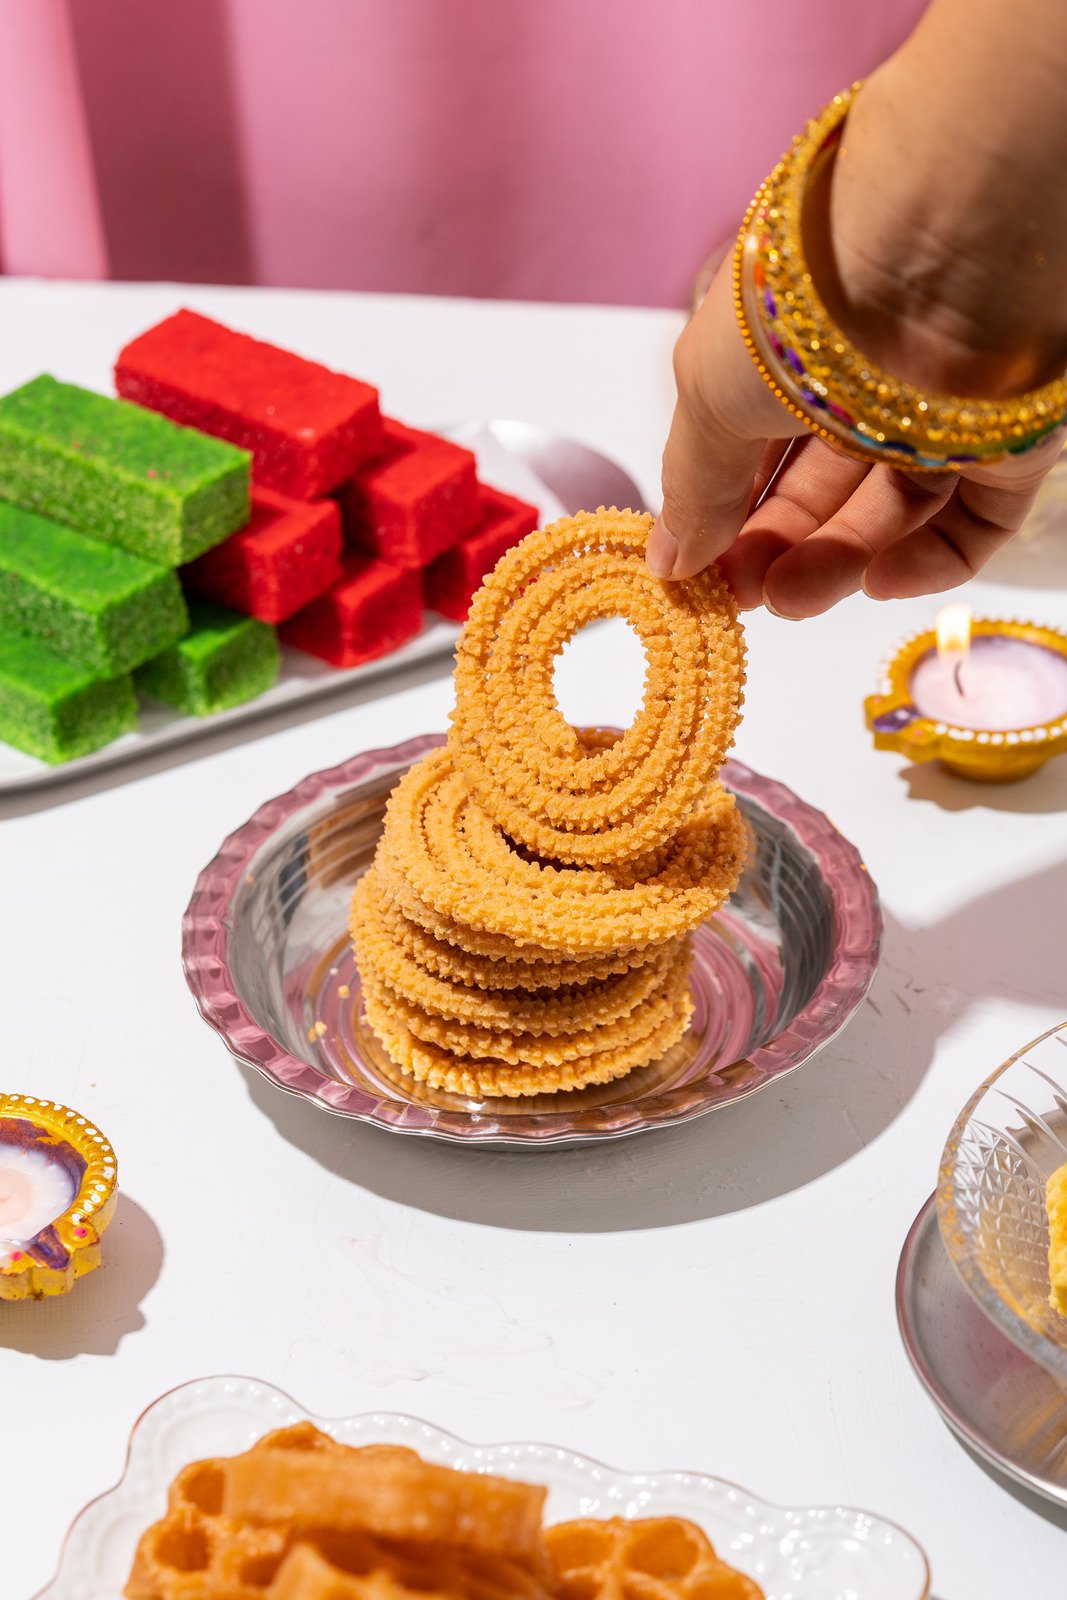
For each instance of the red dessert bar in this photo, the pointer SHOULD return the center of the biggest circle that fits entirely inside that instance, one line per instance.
(308, 428)
(451, 580)
(286, 556)
(374, 608)
(418, 499)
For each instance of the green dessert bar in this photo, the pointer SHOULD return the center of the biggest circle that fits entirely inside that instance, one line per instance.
(95, 606)
(223, 660)
(54, 710)
(119, 472)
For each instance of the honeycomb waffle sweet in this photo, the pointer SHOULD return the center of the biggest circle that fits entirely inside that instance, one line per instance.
(302, 1517)
(388, 1493)
(231, 1522)
(364, 1568)
(1056, 1205)
(523, 930)
(193, 1555)
(651, 1558)
(195, 1550)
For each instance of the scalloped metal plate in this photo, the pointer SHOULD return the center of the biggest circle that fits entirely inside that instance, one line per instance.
(266, 956)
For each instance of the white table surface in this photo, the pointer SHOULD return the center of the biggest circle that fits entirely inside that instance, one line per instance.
(718, 1297)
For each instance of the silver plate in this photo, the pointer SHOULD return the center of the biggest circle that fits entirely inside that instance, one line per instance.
(775, 975)
(1006, 1407)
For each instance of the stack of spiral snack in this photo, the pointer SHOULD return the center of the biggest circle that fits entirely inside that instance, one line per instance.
(524, 926)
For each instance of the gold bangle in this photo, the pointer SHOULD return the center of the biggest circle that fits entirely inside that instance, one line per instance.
(820, 377)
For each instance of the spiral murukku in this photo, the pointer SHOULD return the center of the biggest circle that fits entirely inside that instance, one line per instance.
(518, 1030)
(524, 927)
(515, 967)
(438, 1069)
(439, 849)
(564, 1009)
(515, 1047)
(524, 763)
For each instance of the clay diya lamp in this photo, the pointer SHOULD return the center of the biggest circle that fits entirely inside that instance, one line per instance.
(57, 1195)
(988, 699)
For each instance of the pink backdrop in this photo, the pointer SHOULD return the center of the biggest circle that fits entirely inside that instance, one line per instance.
(549, 149)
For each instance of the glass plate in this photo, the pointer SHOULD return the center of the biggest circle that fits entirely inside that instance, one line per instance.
(776, 973)
(1008, 1139)
(793, 1552)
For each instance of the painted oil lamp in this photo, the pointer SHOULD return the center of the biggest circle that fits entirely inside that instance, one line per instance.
(57, 1195)
(988, 699)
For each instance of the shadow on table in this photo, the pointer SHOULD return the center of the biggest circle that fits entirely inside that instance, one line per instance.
(206, 739)
(102, 1308)
(784, 1137)
(1036, 1503)
(740, 1156)
(1046, 791)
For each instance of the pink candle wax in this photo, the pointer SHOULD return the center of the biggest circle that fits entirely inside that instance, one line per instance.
(34, 1191)
(1006, 683)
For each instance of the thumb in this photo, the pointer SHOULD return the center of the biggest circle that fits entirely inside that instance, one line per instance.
(723, 417)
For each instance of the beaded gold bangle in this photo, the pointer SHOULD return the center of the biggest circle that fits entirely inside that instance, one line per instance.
(821, 377)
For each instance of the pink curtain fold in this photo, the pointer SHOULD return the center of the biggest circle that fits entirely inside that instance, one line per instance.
(50, 220)
(590, 150)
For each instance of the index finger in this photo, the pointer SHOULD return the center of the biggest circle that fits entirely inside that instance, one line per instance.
(724, 416)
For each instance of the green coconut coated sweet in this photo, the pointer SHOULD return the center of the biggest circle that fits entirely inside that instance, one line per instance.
(119, 472)
(57, 711)
(95, 606)
(224, 660)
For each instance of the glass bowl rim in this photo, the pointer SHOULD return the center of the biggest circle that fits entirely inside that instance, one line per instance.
(1022, 1333)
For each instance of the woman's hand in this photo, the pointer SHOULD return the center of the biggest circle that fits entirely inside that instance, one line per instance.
(830, 525)
(939, 245)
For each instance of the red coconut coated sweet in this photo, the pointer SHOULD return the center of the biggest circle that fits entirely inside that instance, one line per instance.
(374, 608)
(286, 556)
(308, 428)
(451, 580)
(417, 500)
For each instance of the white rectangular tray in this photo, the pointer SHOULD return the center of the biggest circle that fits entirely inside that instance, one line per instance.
(303, 680)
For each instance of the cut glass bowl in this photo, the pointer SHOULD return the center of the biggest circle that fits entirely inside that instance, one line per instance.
(1008, 1139)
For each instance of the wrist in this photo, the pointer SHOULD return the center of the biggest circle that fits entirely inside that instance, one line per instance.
(943, 260)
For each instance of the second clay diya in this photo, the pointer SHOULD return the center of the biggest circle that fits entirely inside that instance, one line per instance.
(58, 1191)
(986, 698)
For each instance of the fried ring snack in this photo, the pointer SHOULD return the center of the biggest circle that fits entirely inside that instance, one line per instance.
(439, 849)
(533, 773)
(563, 1010)
(507, 1042)
(517, 967)
(524, 927)
(438, 1069)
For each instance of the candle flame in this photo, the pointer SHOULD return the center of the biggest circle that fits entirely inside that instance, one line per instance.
(954, 630)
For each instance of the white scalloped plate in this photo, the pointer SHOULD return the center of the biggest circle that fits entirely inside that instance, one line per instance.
(793, 1552)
